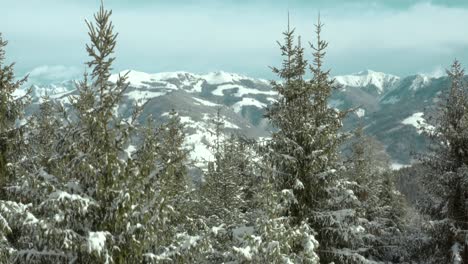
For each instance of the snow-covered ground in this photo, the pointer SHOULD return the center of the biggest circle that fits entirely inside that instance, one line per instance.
(418, 122)
(237, 107)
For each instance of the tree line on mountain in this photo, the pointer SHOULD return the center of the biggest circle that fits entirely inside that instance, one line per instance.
(71, 192)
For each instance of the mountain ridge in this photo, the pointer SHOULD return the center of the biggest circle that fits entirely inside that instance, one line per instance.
(383, 102)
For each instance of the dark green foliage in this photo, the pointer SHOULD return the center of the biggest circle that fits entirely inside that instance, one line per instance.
(12, 147)
(11, 111)
(304, 152)
(223, 185)
(446, 178)
(382, 206)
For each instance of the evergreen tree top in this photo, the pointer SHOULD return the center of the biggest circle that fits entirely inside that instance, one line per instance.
(103, 41)
(7, 77)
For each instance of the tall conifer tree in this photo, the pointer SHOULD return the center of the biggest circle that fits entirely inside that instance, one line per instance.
(12, 146)
(11, 111)
(304, 152)
(447, 178)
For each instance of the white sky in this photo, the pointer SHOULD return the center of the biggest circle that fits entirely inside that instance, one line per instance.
(49, 36)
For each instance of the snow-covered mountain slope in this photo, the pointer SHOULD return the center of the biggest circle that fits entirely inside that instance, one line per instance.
(419, 81)
(184, 80)
(196, 98)
(384, 103)
(378, 81)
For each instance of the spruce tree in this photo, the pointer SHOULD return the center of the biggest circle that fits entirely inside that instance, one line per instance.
(259, 233)
(12, 151)
(304, 152)
(89, 199)
(275, 238)
(381, 205)
(11, 111)
(173, 156)
(171, 224)
(447, 175)
(222, 188)
(222, 192)
(86, 208)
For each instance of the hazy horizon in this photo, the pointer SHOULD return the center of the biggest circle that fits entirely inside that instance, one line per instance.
(398, 37)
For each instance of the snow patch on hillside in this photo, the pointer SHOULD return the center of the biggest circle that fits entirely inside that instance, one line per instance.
(204, 102)
(237, 107)
(197, 88)
(360, 112)
(420, 81)
(143, 95)
(398, 166)
(197, 141)
(418, 122)
(202, 133)
(244, 91)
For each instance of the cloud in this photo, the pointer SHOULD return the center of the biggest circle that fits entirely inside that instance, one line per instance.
(53, 74)
(437, 72)
(423, 26)
(240, 36)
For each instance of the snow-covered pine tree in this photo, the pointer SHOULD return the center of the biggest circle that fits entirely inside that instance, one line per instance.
(304, 153)
(98, 164)
(12, 147)
(43, 238)
(367, 158)
(270, 237)
(247, 158)
(447, 177)
(11, 111)
(168, 217)
(222, 193)
(260, 233)
(382, 206)
(46, 129)
(173, 161)
(222, 186)
(286, 114)
(95, 202)
(88, 209)
(362, 170)
(390, 216)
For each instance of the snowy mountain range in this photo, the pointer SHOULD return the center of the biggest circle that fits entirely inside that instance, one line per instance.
(391, 108)
(379, 82)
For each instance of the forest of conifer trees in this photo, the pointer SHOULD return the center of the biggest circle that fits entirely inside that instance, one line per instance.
(71, 193)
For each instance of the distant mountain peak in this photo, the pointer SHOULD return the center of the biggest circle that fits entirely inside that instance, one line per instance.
(382, 81)
(420, 81)
(388, 106)
(142, 79)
